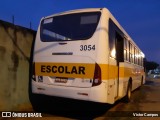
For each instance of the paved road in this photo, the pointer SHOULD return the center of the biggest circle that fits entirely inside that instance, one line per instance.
(145, 101)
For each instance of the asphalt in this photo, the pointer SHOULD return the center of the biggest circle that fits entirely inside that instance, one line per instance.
(145, 101)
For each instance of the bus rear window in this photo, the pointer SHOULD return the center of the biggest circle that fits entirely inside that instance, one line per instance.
(78, 26)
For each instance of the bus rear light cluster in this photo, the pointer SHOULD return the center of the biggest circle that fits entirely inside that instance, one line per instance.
(97, 76)
(33, 72)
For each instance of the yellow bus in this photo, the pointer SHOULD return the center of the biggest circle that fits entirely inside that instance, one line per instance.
(85, 54)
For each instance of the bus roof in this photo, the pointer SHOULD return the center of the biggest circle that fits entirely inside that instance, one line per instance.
(98, 9)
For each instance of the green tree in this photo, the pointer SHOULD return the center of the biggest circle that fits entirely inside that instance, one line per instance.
(150, 65)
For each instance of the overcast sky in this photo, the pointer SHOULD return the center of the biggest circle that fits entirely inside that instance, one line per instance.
(140, 18)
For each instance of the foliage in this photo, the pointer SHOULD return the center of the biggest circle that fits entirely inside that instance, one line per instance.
(150, 65)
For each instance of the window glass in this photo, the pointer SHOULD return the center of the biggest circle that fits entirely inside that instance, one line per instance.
(78, 26)
(125, 49)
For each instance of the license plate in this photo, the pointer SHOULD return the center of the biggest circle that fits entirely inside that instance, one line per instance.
(61, 80)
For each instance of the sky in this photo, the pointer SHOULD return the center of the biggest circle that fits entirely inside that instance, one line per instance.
(140, 18)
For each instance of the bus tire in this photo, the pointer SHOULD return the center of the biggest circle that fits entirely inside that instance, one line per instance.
(127, 98)
(34, 100)
(39, 102)
(142, 81)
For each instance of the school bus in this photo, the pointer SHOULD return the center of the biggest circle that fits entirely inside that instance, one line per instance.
(85, 54)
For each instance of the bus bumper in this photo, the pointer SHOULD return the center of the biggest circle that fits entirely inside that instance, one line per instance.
(95, 94)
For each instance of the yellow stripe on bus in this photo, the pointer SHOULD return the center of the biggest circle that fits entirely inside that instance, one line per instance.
(72, 70)
(82, 70)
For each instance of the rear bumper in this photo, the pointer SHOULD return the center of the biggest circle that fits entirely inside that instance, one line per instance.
(95, 94)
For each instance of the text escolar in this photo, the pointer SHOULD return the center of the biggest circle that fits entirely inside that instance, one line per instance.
(63, 69)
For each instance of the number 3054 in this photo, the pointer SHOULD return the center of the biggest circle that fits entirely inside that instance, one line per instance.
(87, 47)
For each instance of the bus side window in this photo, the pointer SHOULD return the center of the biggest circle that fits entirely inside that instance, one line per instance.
(138, 58)
(135, 55)
(119, 48)
(116, 42)
(130, 55)
(112, 39)
(125, 50)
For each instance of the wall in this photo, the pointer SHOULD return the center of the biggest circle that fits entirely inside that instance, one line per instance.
(15, 45)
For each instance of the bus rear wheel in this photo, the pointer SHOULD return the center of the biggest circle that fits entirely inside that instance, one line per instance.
(128, 94)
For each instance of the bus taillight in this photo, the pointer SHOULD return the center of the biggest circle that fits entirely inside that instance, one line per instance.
(33, 72)
(97, 76)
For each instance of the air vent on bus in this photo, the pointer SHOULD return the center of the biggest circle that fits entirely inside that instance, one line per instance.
(63, 53)
(62, 43)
